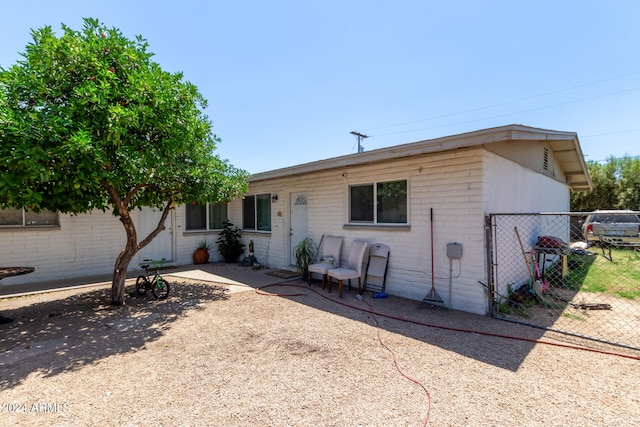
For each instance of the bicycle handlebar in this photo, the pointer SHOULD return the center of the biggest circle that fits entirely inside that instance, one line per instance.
(156, 262)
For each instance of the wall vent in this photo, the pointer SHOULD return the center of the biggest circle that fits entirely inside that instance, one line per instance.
(545, 160)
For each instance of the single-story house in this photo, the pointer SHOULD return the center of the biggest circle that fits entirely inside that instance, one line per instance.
(381, 196)
(388, 195)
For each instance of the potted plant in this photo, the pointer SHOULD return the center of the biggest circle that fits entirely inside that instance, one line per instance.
(201, 254)
(229, 244)
(305, 254)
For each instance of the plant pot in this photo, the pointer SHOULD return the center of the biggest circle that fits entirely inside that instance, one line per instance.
(200, 256)
(231, 258)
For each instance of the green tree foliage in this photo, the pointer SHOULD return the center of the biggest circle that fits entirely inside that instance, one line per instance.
(89, 121)
(616, 185)
(629, 183)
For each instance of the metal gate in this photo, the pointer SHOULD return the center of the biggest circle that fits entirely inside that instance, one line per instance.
(542, 274)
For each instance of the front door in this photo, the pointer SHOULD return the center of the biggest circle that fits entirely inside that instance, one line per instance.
(299, 225)
(162, 245)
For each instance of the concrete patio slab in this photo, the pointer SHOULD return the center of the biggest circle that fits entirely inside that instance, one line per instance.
(235, 277)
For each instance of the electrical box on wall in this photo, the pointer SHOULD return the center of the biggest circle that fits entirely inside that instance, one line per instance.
(454, 250)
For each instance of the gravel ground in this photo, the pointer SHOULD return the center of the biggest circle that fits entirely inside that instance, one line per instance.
(205, 357)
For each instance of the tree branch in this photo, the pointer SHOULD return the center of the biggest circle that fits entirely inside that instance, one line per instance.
(117, 201)
(132, 192)
(160, 227)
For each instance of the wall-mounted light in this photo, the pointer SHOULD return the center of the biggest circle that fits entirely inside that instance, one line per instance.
(274, 198)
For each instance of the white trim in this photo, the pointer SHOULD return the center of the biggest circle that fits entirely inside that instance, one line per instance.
(375, 222)
(564, 144)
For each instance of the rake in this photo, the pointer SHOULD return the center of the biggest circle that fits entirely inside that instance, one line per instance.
(432, 297)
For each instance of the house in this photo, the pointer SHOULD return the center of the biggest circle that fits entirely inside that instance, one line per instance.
(381, 196)
(387, 196)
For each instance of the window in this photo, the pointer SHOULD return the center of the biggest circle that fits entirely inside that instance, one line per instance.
(218, 216)
(256, 212)
(206, 217)
(23, 218)
(378, 203)
(361, 203)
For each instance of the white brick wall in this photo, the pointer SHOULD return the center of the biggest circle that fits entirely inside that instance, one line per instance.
(461, 187)
(450, 183)
(84, 245)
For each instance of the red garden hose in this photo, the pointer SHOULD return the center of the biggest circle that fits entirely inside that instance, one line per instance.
(370, 310)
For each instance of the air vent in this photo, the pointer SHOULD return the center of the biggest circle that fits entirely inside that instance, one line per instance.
(545, 164)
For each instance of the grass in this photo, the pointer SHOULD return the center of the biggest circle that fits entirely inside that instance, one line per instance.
(619, 275)
(573, 316)
(517, 302)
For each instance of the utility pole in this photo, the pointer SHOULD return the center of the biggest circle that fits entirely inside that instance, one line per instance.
(360, 136)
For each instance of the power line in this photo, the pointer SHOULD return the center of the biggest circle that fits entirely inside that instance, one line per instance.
(504, 103)
(611, 133)
(509, 114)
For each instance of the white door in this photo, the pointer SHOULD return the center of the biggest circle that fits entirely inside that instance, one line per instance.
(299, 225)
(162, 245)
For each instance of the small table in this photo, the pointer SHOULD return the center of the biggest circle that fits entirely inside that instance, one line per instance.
(560, 252)
(14, 271)
(9, 272)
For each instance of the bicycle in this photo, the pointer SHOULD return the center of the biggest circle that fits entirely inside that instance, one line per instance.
(159, 287)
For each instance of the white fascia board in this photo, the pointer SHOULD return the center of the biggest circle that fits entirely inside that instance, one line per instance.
(447, 143)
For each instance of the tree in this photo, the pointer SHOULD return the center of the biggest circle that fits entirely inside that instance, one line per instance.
(604, 192)
(629, 183)
(616, 185)
(89, 121)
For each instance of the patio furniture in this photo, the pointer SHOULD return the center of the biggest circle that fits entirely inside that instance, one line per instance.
(8, 272)
(376, 275)
(331, 246)
(353, 270)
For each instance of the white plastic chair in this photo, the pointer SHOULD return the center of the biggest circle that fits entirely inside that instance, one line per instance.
(353, 270)
(331, 246)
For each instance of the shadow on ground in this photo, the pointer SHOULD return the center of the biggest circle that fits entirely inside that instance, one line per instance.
(80, 329)
(483, 338)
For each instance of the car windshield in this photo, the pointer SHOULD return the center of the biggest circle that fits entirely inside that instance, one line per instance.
(615, 218)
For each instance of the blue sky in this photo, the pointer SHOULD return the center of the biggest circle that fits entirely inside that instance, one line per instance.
(287, 81)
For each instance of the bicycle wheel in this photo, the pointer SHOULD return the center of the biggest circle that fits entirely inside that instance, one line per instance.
(142, 285)
(160, 288)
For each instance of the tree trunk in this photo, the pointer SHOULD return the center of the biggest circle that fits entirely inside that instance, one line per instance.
(120, 274)
(122, 262)
(132, 247)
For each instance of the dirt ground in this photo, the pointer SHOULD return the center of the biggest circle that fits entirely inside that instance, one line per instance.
(294, 357)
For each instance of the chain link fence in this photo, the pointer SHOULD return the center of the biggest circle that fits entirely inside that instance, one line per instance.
(543, 274)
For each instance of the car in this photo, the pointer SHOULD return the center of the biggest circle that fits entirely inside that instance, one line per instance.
(615, 227)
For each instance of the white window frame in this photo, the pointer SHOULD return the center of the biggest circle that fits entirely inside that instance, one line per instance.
(25, 224)
(207, 217)
(254, 226)
(375, 221)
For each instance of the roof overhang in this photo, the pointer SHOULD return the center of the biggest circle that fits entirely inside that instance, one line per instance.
(567, 152)
(565, 146)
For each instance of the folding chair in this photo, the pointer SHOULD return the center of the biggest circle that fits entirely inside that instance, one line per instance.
(376, 276)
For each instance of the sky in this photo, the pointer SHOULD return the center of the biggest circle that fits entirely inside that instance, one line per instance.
(288, 81)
